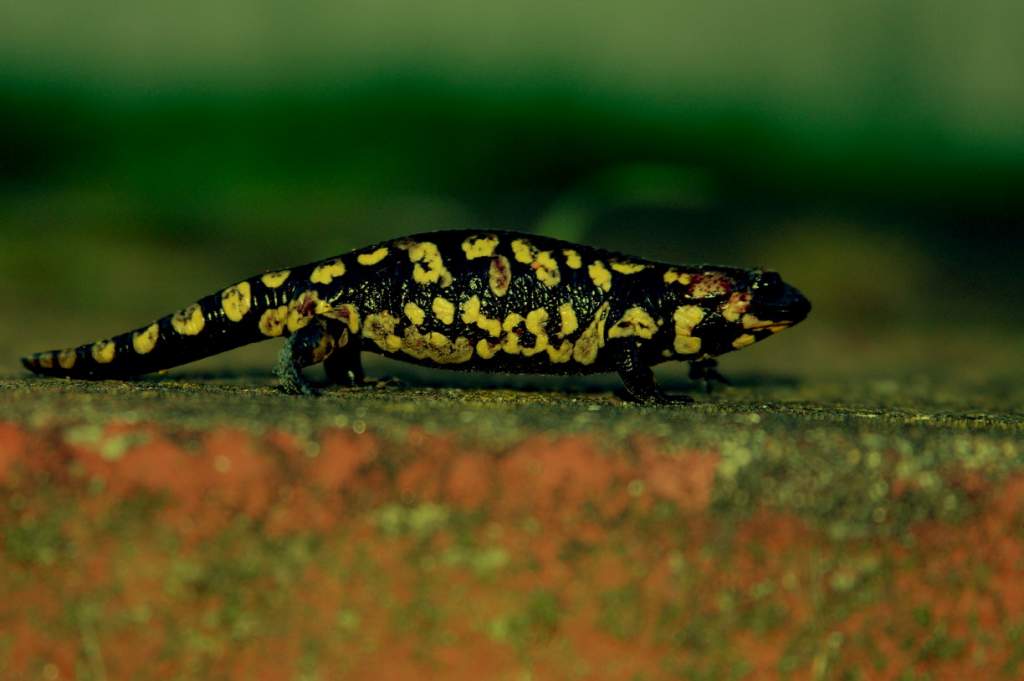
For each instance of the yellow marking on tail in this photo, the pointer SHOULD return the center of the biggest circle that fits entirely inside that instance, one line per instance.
(190, 321)
(144, 341)
(103, 351)
(236, 301)
(275, 279)
(67, 358)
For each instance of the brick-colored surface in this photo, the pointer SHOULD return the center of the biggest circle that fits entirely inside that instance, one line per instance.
(143, 549)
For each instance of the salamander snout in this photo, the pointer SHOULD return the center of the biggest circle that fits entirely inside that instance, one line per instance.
(776, 300)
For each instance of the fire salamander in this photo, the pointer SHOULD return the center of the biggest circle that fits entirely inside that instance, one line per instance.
(495, 301)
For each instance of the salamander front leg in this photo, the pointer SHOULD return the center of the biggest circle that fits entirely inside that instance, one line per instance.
(309, 345)
(639, 379)
(344, 366)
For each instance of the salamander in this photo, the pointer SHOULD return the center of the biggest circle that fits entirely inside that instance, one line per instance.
(470, 300)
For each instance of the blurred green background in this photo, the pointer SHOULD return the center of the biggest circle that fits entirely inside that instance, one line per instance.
(870, 151)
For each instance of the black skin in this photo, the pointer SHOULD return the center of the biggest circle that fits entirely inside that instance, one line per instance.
(364, 305)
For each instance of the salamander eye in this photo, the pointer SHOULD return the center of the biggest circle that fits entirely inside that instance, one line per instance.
(768, 283)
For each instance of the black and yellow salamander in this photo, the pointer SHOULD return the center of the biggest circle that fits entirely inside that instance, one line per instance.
(475, 301)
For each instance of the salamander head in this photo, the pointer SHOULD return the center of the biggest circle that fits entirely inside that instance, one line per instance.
(718, 310)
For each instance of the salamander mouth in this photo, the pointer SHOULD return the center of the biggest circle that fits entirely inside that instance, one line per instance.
(779, 307)
(774, 327)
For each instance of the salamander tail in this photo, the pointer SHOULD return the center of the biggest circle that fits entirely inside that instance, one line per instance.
(222, 321)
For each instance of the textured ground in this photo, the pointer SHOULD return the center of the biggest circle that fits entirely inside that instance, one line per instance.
(208, 527)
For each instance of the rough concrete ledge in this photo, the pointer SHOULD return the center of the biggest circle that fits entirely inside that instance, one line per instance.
(185, 529)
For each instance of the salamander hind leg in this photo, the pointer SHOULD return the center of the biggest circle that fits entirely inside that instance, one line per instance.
(706, 370)
(312, 344)
(638, 378)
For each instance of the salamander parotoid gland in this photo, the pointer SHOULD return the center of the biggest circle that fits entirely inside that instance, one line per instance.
(468, 300)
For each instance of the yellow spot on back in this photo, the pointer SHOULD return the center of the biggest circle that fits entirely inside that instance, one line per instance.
(236, 301)
(635, 322)
(569, 321)
(272, 322)
(275, 279)
(628, 267)
(547, 269)
(600, 275)
(45, 360)
(328, 271)
(415, 313)
(374, 257)
(686, 318)
(523, 251)
(572, 259)
(674, 276)
(144, 341)
(429, 266)
(592, 338)
(67, 358)
(481, 246)
(541, 262)
(103, 351)
(444, 309)
(743, 341)
(190, 321)
(500, 275)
